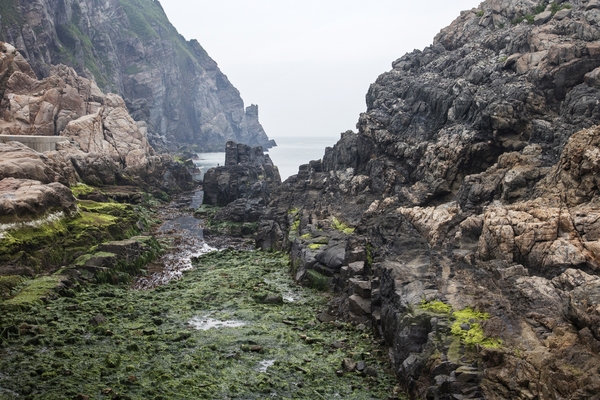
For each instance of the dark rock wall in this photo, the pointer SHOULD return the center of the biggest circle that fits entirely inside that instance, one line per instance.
(466, 203)
(130, 48)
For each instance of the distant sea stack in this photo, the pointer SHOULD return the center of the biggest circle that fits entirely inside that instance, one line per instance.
(129, 47)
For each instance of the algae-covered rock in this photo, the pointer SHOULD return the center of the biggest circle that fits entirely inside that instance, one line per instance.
(245, 349)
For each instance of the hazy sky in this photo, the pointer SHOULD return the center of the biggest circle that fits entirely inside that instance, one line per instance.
(308, 64)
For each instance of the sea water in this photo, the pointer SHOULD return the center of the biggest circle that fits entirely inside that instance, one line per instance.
(288, 155)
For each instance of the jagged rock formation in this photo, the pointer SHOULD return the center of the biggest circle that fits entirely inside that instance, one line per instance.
(102, 144)
(131, 48)
(244, 184)
(460, 221)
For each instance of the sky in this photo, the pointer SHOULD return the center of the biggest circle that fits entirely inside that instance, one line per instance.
(308, 64)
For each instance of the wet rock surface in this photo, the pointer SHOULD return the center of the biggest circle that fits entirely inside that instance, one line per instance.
(207, 328)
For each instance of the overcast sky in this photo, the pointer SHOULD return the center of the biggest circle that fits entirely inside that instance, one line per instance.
(308, 64)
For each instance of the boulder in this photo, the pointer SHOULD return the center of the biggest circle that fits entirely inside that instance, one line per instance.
(25, 199)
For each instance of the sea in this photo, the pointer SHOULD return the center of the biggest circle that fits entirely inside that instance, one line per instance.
(288, 155)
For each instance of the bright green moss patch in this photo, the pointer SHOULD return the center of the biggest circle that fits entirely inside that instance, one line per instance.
(435, 306)
(467, 326)
(295, 225)
(58, 240)
(33, 290)
(315, 246)
(81, 189)
(8, 283)
(466, 323)
(340, 226)
(152, 344)
(306, 236)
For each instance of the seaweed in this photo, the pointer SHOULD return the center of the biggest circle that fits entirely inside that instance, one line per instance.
(112, 341)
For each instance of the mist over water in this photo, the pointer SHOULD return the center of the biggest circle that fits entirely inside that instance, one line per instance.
(293, 151)
(288, 155)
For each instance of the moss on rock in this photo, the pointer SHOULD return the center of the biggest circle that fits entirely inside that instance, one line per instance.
(156, 344)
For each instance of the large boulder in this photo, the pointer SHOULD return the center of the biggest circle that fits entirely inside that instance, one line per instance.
(25, 199)
(246, 181)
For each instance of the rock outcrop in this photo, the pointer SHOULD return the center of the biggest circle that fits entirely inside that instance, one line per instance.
(242, 186)
(131, 48)
(460, 221)
(24, 199)
(102, 144)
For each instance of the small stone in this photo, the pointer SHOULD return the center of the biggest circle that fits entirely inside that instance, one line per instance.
(361, 365)
(562, 14)
(348, 364)
(339, 372)
(273, 299)
(371, 371)
(256, 348)
(97, 320)
(465, 327)
(337, 344)
(542, 18)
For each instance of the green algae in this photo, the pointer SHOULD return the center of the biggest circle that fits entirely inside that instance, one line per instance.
(435, 306)
(59, 241)
(340, 226)
(80, 189)
(34, 290)
(317, 280)
(146, 346)
(474, 335)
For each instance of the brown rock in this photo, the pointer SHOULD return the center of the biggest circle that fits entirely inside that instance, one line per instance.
(23, 199)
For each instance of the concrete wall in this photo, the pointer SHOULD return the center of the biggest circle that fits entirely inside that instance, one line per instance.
(38, 143)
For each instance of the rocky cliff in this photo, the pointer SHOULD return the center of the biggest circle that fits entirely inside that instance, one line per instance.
(460, 222)
(102, 144)
(130, 48)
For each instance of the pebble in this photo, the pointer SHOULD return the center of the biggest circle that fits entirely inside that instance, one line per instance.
(361, 365)
(348, 364)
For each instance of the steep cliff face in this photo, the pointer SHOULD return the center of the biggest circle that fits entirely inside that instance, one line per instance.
(460, 221)
(130, 48)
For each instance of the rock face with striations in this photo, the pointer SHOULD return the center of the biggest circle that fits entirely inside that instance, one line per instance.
(102, 144)
(131, 48)
(460, 222)
(244, 185)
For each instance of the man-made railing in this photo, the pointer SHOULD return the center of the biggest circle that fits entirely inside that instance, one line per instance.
(38, 143)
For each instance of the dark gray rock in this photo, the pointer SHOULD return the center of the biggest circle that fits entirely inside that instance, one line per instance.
(333, 257)
(248, 174)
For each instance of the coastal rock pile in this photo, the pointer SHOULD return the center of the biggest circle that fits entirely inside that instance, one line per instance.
(460, 221)
(242, 186)
(102, 144)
